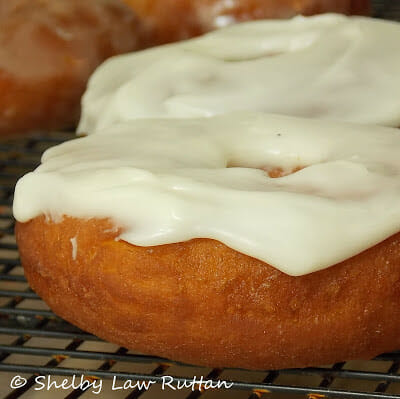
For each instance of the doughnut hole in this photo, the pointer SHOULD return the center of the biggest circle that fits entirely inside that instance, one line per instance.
(279, 172)
(272, 171)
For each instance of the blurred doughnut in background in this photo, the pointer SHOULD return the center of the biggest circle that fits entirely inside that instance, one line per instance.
(48, 49)
(171, 20)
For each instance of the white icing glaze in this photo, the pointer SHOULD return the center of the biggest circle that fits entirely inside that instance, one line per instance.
(169, 180)
(328, 66)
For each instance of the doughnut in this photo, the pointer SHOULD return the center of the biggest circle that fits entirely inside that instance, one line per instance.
(200, 16)
(328, 67)
(48, 49)
(245, 240)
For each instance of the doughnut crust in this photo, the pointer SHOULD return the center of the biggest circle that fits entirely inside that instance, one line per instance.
(196, 17)
(201, 302)
(48, 49)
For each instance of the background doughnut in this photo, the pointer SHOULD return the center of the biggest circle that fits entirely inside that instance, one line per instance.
(323, 67)
(171, 20)
(48, 49)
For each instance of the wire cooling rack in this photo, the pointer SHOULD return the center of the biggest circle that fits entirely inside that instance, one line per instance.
(387, 9)
(34, 341)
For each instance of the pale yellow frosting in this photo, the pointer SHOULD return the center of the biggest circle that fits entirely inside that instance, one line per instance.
(170, 180)
(328, 66)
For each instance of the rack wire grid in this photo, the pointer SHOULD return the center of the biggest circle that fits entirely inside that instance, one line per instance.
(34, 341)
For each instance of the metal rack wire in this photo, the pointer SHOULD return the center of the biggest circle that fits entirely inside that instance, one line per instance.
(387, 9)
(34, 341)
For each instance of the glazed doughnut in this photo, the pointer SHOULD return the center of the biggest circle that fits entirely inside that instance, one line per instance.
(48, 49)
(200, 16)
(328, 67)
(174, 233)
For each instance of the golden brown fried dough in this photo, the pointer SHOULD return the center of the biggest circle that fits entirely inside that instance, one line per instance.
(204, 303)
(48, 49)
(172, 20)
